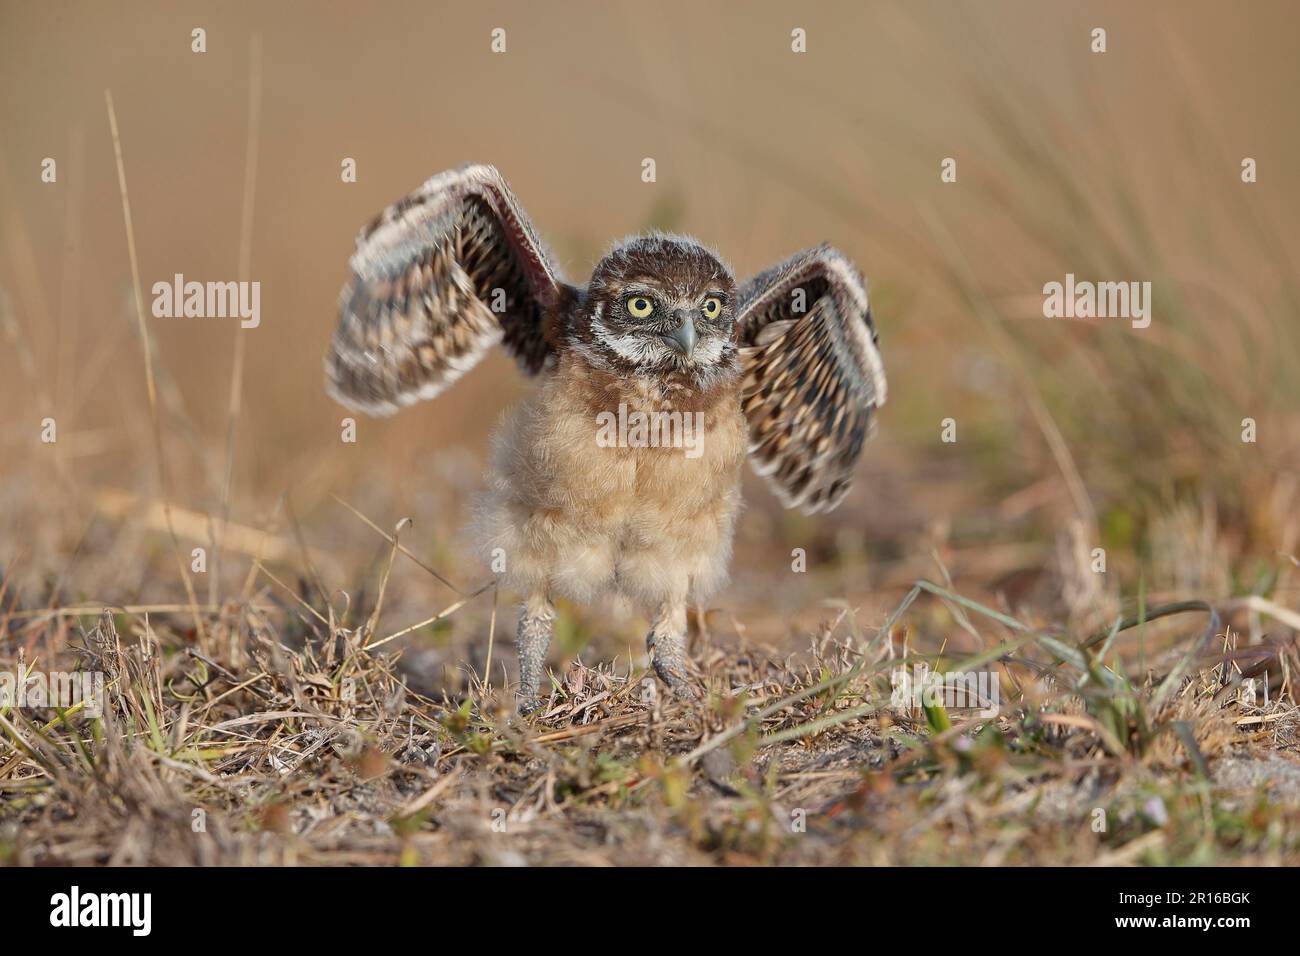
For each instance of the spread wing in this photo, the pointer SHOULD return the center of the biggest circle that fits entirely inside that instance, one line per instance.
(813, 376)
(437, 279)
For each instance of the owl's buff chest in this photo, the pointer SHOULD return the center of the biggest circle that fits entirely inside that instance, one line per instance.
(586, 481)
(592, 437)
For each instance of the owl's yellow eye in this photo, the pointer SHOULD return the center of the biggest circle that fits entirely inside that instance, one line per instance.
(712, 306)
(640, 306)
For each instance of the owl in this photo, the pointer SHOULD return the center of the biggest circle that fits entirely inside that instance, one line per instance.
(620, 472)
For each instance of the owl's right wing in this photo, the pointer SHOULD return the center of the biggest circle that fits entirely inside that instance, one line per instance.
(438, 278)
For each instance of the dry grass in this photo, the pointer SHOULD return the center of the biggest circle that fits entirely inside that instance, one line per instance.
(284, 736)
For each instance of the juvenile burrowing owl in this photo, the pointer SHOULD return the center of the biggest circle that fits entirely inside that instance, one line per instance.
(621, 471)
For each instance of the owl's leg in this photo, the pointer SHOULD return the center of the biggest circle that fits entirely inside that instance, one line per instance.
(666, 642)
(532, 640)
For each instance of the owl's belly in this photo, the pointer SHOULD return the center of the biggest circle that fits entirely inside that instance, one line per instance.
(572, 512)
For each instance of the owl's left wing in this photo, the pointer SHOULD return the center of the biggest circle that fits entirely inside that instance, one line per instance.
(813, 377)
(437, 279)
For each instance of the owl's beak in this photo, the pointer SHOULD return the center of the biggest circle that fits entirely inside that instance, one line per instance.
(682, 339)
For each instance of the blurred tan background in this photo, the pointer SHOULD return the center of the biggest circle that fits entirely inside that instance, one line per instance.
(1117, 166)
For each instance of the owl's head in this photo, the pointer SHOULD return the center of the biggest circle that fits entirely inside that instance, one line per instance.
(660, 304)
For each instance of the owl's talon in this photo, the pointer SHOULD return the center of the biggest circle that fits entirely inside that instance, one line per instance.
(528, 706)
(684, 692)
(680, 686)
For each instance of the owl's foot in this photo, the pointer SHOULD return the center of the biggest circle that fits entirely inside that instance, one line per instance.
(677, 682)
(666, 643)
